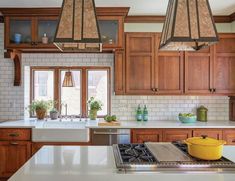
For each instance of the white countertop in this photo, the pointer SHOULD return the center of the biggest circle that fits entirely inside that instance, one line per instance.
(96, 163)
(32, 123)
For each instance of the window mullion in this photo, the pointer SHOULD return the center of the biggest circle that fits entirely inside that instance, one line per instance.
(84, 92)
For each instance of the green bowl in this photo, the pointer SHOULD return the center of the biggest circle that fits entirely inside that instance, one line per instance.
(192, 119)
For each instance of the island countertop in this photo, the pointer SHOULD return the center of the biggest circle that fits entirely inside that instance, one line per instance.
(97, 163)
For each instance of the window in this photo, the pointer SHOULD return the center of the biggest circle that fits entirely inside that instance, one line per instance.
(71, 96)
(43, 85)
(88, 82)
(97, 87)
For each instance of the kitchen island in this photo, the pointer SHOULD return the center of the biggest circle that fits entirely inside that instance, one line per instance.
(97, 163)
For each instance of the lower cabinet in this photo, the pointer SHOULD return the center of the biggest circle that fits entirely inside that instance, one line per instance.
(170, 135)
(229, 136)
(13, 155)
(146, 135)
(212, 133)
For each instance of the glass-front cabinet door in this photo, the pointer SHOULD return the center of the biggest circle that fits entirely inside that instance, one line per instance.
(111, 29)
(19, 32)
(46, 29)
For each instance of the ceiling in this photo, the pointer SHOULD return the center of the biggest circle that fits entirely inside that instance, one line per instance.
(138, 7)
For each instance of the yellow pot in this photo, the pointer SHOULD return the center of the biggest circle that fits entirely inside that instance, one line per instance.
(205, 148)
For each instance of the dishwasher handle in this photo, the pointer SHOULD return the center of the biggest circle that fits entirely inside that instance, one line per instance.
(109, 133)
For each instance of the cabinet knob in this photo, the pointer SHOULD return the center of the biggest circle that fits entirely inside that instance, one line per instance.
(211, 90)
(156, 89)
(214, 90)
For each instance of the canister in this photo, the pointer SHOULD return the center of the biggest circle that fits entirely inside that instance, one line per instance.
(202, 114)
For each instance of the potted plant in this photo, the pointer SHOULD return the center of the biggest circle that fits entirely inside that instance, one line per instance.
(94, 107)
(40, 107)
(54, 114)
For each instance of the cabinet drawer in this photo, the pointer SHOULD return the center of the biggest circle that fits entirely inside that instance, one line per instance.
(229, 136)
(212, 133)
(146, 135)
(15, 134)
(170, 135)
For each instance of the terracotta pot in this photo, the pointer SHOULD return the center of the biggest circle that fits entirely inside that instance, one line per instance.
(41, 113)
(93, 114)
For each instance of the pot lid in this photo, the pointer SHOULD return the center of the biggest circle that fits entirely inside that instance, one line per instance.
(205, 141)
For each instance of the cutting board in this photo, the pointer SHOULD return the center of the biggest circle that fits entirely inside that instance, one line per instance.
(105, 123)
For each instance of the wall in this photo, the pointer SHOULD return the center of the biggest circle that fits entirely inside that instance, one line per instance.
(13, 100)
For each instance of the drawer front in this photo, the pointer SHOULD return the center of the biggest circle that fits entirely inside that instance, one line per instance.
(15, 134)
(229, 137)
(212, 133)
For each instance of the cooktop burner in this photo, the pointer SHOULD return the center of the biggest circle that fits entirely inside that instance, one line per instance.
(135, 153)
(165, 157)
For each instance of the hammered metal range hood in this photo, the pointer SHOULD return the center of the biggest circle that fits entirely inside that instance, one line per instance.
(189, 26)
(78, 29)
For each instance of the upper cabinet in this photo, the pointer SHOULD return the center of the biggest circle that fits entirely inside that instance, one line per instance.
(224, 65)
(198, 72)
(34, 29)
(28, 32)
(150, 71)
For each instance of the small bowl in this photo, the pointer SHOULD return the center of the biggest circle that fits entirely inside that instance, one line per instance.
(192, 119)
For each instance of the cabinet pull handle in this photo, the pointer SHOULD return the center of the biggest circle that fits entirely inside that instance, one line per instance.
(14, 134)
(14, 143)
(233, 141)
(156, 89)
(214, 90)
(211, 90)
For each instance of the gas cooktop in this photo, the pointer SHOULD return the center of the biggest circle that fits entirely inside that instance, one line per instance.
(165, 157)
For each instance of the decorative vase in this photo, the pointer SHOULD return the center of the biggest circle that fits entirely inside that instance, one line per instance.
(93, 114)
(40, 113)
(54, 115)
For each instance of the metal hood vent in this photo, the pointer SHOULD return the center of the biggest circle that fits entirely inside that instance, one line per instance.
(78, 29)
(189, 26)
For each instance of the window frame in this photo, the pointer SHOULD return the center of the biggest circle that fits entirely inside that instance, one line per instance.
(84, 84)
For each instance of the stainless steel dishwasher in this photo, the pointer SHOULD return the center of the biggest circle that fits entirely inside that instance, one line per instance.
(110, 136)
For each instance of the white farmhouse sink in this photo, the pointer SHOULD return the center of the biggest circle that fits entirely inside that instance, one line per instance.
(55, 131)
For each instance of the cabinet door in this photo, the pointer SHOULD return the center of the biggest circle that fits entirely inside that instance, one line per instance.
(112, 31)
(19, 32)
(229, 136)
(176, 135)
(13, 155)
(45, 25)
(169, 79)
(119, 73)
(139, 63)
(146, 135)
(198, 72)
(224, 65)
(212, 133)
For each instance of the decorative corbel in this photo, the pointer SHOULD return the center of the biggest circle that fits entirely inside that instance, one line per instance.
(16, 57)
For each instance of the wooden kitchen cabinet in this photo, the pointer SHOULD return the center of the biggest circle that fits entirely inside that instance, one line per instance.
(198, 72)
(212, 133)
(15, 150)
(229, 136)
(119, 73)
(170, 135)
(13, 155)
(224, 65)
(146, 135)
(140, 63)
(150, 71)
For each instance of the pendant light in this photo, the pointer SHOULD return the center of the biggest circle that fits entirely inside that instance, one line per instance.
(68, 79)
(189, 26)
(78, 29)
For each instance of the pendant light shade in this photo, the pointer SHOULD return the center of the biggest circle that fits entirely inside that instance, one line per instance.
(189, 26)
(68, 80)
(78, 29)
